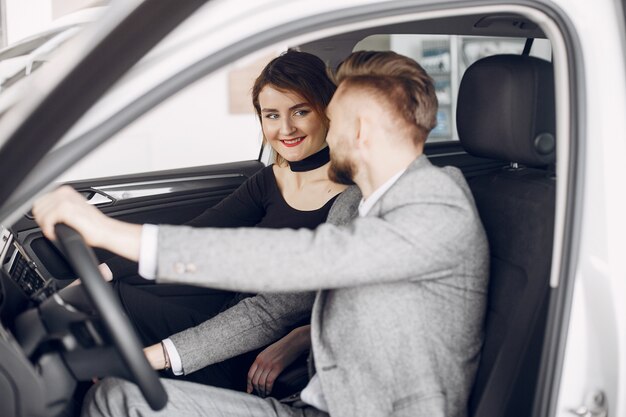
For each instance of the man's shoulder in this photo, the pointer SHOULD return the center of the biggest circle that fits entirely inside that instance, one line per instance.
(425, 182)
(423, 177)
(421, 180)
(346, 206)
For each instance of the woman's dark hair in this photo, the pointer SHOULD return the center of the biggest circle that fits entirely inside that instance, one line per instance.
(297, 72)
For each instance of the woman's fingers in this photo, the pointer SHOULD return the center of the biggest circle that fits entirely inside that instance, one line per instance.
(106, 272)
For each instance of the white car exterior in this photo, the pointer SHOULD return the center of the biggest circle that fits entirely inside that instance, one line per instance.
(590, 232)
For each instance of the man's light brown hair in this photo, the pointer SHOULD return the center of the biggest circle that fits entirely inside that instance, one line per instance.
(400, 81)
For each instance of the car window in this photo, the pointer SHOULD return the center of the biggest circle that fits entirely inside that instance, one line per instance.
(23, 58)
(12, 70)
(445, 58)
(210, 122)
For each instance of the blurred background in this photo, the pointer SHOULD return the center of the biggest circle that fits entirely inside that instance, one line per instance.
(212, 121)
(23, 18)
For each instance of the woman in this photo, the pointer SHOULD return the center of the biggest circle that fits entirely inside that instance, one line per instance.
(290, 97)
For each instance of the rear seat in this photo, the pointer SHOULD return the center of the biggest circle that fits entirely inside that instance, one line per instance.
(506, 111)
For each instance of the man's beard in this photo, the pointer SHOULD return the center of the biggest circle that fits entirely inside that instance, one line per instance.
(341, 171)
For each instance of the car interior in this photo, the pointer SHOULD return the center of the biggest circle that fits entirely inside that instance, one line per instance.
(505, 122)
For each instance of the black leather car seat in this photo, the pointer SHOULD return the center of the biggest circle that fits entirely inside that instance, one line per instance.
(506, 111)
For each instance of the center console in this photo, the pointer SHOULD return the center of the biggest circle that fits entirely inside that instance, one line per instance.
(22, 263)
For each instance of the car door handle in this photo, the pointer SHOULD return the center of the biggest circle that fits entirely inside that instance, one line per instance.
(584, 411)
(96, 198)
(597, 408)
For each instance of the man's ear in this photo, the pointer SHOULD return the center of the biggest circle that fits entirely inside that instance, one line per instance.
(359, 132)
(365, 129)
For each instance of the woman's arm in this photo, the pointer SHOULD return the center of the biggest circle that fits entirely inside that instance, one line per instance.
(243, 208)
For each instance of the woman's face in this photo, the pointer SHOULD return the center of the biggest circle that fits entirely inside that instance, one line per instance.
(290, 124)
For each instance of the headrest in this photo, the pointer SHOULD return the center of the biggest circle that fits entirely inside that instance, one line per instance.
(506, 109)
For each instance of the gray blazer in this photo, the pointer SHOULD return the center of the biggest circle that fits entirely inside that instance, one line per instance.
(397, 324)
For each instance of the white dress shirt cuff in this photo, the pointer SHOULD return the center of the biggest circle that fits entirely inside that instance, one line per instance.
(175, 362)
(148, 251)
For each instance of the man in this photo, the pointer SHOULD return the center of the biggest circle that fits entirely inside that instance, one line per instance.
(401, 268)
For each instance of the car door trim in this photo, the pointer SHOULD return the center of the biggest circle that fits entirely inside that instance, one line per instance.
(571, 166)
(121, 192)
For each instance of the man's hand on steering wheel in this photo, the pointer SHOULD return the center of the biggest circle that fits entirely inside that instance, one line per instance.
(93, 228)
(65, 205)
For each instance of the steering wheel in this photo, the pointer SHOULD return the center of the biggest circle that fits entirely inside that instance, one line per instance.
(82, 259)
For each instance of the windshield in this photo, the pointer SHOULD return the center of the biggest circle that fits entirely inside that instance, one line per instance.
(18, 67)
(21, 59)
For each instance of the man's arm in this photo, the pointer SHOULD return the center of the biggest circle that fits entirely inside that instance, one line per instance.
(252, 323)
(419, 238)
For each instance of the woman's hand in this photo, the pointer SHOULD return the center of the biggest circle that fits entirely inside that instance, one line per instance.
(65, 205)
(275, 358)
(106, 272)
(156, 356)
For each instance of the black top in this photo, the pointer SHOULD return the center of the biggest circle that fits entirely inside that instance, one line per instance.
(256, 203)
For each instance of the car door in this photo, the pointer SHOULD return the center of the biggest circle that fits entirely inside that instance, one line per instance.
(168, 166)
(148, 206)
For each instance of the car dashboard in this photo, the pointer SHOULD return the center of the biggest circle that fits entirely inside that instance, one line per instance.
(43, 337)
(21, 259)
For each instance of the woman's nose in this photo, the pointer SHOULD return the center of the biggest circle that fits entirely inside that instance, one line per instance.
(287, 127)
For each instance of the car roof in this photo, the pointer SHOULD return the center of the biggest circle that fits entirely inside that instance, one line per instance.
(335, 48)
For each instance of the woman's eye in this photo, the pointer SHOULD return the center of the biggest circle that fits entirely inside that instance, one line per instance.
(301, 112)
(271, 116)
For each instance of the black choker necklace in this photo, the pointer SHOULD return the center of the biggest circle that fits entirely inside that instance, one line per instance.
(311, 162)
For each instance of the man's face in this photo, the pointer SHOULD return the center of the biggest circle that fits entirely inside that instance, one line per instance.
(341, 135)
